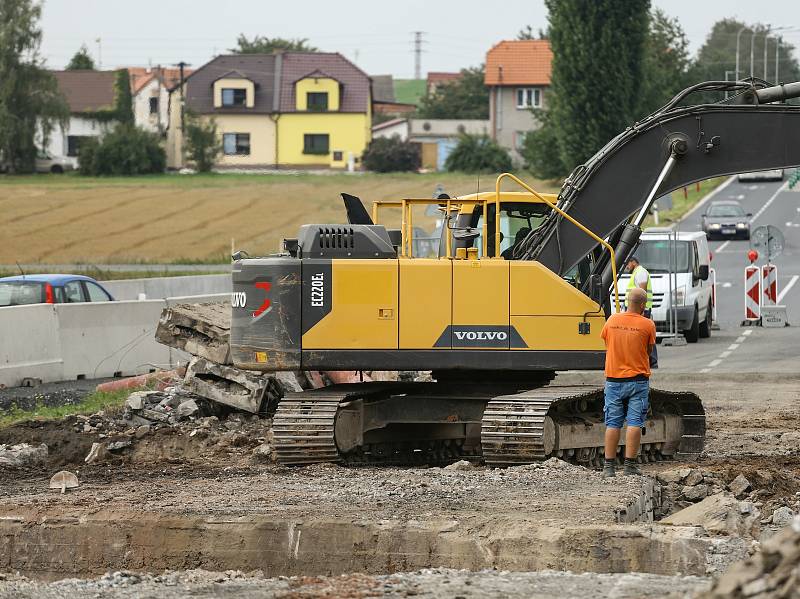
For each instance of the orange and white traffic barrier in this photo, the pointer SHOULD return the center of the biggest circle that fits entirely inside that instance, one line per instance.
(769, 284)
(752, 292)
(712, 274)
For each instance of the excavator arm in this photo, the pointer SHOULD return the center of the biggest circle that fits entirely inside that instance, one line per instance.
(613, 191)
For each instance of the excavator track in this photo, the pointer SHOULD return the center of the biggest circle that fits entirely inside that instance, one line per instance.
(541, 423)
(517, 428)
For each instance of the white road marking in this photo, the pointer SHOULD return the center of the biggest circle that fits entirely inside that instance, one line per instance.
(740, 338)
(748, 332)
(727, 284)
(787, 288)
(724, 355)
(715, 363)
(769, 201)
(723, 246)
(733, 346)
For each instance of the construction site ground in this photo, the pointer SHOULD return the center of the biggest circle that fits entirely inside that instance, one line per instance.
(202, 501)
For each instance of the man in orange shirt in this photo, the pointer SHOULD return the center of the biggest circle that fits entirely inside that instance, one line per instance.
(629, 337)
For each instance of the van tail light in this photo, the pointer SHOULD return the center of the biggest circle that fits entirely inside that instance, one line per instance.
(48, 293)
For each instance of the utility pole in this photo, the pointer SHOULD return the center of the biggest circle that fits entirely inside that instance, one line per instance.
(766, 37)
(181, 65)
(777, 58)
(418, 41)
(738, 39)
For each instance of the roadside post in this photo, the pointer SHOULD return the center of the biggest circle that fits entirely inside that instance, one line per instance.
(713, 277)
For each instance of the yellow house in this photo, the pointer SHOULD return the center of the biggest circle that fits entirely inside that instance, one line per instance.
(293, 109)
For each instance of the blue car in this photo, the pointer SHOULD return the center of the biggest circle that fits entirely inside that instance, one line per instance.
(51, 289)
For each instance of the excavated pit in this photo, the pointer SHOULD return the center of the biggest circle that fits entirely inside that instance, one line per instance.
(327, 519)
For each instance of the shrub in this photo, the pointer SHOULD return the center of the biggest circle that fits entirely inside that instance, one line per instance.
(391, 154)
(203, 145)
(478, 154)
(127, 150)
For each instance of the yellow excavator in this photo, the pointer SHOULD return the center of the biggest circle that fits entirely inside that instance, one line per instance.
(515, 287)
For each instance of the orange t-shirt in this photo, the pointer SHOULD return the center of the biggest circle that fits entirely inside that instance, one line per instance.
(628, 336)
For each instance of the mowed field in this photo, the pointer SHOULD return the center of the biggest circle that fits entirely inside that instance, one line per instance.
(53, 219)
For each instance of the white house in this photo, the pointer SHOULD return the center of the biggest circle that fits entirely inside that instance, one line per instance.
(89, 94)
(436, 137)
(150, 88)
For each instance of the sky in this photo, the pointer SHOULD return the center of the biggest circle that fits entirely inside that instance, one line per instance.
(376, 35)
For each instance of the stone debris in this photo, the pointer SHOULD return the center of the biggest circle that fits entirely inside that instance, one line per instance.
(97, 453)
(199, 329)
(22, 455)
(227, 385)
(739, 486)
(460, 465)
(719, 514)
(773, 572)
(783, 516)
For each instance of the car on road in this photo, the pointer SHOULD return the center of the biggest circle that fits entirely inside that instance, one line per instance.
(726, 219)
(51, 289)
(775, 174)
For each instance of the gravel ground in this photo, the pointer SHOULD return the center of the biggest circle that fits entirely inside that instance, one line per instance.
(49, 394)
(553, 491)
(433, 584)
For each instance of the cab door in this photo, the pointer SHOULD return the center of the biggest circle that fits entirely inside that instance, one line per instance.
(480, 304)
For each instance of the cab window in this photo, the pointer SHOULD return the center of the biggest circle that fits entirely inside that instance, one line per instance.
(517, 219)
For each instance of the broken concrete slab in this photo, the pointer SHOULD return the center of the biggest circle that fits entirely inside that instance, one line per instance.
(739, 486)
(718, 514)
(22, 455)
(187, 409)
(239, 389)
(199, 329)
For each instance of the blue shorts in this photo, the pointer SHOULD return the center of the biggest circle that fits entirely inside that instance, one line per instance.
(638, 395)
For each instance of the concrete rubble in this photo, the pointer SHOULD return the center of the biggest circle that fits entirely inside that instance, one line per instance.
(199, 329)
(22, 455)
(772, 573)
(719, 514)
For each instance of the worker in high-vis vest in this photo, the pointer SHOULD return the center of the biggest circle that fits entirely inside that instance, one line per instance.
(640, 277)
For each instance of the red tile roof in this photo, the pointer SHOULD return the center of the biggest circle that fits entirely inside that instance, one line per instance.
(141, 76)
(436, 78)
(519, 62)
(86, 91)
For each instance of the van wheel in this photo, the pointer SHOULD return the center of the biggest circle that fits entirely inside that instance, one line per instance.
(57, 169)
(705, 326)
(692, 334)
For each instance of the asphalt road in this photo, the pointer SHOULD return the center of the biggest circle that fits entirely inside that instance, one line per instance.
(735, 348)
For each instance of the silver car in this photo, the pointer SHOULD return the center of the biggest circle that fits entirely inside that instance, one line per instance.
(726, 219)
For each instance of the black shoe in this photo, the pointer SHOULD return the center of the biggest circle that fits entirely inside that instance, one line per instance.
(632, 468)
(609, 469)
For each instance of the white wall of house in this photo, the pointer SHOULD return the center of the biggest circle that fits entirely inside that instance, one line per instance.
(392, 128)
(58, 145)
(143, 112)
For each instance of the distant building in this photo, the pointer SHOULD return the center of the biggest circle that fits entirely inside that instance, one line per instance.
(150, 89)
(384, 101)
(90, 96)
(518, 76)
(298, 109)
(437, 79)
(436, 137)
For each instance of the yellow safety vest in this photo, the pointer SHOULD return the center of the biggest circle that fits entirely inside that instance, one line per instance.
(632, 284)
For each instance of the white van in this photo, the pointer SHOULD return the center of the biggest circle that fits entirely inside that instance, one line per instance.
(691, 283)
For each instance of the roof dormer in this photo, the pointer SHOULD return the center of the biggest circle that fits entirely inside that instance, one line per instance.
(234, 90)
(317, 92)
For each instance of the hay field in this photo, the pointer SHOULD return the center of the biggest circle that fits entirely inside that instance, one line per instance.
(185, 219)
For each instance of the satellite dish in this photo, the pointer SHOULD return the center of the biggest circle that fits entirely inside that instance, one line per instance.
(768, 240)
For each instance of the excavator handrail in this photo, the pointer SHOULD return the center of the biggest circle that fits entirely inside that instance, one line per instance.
(553, 206)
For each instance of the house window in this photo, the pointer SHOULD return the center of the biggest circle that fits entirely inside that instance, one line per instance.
(74, 144)
(154, 105)
(234, 97)
(316, 143)
(519, 140)
(236, 144)
(529, 97)
(317, 101)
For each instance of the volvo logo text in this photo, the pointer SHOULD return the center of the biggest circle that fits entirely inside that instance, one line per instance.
(481, 335)
(238, 299)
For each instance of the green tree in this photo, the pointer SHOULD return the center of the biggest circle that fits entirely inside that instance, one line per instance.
(596, 81)
(81, 60)
(267, 45)
(465, 98)
(31, 105)
(478, 154)
(526, 33)
(716, 59)
(391, 155)
(203, 143)
(127, 150)
(666, 62)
